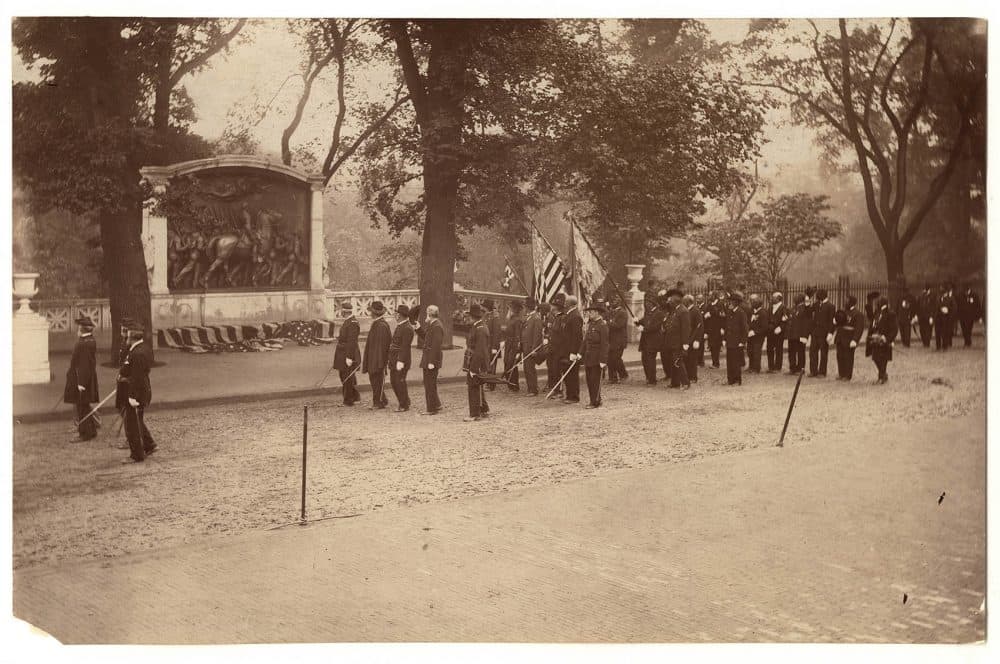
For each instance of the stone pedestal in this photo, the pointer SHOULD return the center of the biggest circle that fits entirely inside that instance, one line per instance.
(636, 298)
(30, 336)
(317, 253)
(154, 246)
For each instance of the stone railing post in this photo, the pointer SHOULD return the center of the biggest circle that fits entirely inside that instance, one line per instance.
(636, 298)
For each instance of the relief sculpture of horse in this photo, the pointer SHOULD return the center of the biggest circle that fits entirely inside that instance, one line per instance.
(233, 254)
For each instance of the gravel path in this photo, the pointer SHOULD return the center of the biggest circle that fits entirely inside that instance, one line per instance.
(220, 472)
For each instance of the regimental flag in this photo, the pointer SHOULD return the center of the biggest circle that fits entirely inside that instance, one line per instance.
(549, 274)
(590, 274)
(508, 276)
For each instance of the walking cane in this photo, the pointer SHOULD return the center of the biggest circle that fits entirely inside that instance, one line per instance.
(328, 372)
(96, 408)
(781, 441)
(556, 386)
(524, 359)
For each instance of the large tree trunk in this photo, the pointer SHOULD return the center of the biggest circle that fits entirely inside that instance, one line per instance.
(894, 271)
(125, 268)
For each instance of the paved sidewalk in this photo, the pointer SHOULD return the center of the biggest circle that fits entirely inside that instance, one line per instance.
(186, 379)
(844, 539)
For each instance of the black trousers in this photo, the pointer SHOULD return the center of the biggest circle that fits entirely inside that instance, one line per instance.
(905, 331)
(377, 381)
(967, 331)
(845, 361)
(775, 351)
(926, 331)
(531, 375)
(649, 365)
(796, 356)
(398, 381)
(665, 361)
(678, 368)
(477, 397)
(715, 348)
(351, 394)
(943, 332)
(616, 365)
(734, 365)
(881, 359)
(140, 442)
(692, 359)
(756, 343)
(493, 367)
(431, 390)
(552, 368)
(700, 353)
(819, 351)
(513, 375)
(594, 384)
(86, 428)
(572, 382)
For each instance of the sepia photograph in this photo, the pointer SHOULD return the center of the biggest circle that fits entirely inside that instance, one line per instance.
(484, 330)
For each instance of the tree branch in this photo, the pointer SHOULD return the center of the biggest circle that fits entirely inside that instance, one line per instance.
(904, 137)
(186, 67)
(329, 171)
(309, 78)
(411, 71)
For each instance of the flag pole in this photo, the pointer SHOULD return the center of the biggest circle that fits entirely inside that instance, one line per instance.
(572, 258)
(517, 276)
(608, 272)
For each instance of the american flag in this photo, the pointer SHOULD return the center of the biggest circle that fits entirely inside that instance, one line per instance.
(549, 273)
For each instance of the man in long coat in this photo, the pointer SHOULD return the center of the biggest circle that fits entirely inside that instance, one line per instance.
(883, 333)
(347, 356)
(736, 330)
(376, 356)
(475, 363)
(531, 340)
(822, 334)
(493, 325)
(617, 343)
(760, 325)
(651, 338)
(970, 309)
(569, 356)
(926, 305)
(695, 355)
(676, 340)
(81, 379)
(715, 324)
(776, 333)
(512, 346)
(847, 338)
(594, 351)
(431, 358)
(133, 395)
(400, 357)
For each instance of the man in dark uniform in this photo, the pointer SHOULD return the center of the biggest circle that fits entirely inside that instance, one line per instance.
(133, 395)
(431, 358)
(399, 357)
(376, 356)
(944, 319)
(347, 356)
(512, 346)
(970, 309)
(799, 329)
(594, 350)
(617, 342)
(475, 363)
(699, 351)
(822, 334)
(570, 357)
(651, 338)
(676, 339)
(777, 329)
(555, 341)
(736, 330)
(81, 379)
(906, 315)
(715, 323)
(870, 305)
(847, 338)
(493, 325)
(926, 306)
(759, 326)
(883, 333)
(696, 340)
(666, 307)
(531, 342)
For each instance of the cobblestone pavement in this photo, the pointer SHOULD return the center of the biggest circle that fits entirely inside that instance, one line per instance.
(877, 536)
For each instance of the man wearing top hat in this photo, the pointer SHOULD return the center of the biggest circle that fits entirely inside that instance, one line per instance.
(736, 329)
(399, 357)
(430, 359)
(676, 339)
(81, 378)
(134, 393)
(376, 355)
(475, 363)
(594, 350)
(347, 356)
(531, 341)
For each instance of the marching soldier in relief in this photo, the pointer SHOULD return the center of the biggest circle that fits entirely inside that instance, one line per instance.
(570, 357)
(847, 338)
(81, 379)
(617, 343)
(737, 328)
(475, 363)
(594, 351)
(822, 334)
(512, 350)
(347, 356)
(400, 357)
(695, 352)
(759, 326)
(926, 306)
(970, 309)
(430, 360)
(776, 331)
(133, 395)
(531, 350)
(715, 324)
(883, 333)
(376, 356)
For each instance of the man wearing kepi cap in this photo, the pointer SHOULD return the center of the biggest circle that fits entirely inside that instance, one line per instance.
(475, 363)
(81, 379)
(594, 350)
(376, 355)
(400, 357)
(134, 394)
(347, 357)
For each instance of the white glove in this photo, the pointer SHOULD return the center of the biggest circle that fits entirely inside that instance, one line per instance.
(777, 330)
(944, 310)
(740, 346)
(399, 366)
(132, 402)
(803, 340)
(81, 388)
(751, 333)
(708, 314)
(829, 338)
(706, 336)
(916, 319)
(854, 344)
(685, 346)
(350, 362)
(696, 345)
(431, 367)
(603, 365)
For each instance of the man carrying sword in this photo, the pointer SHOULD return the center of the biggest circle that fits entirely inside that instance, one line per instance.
(531, 341)
(347, 356)
(134, 394)
(81, 379)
